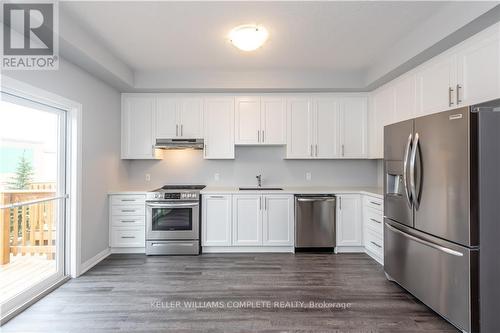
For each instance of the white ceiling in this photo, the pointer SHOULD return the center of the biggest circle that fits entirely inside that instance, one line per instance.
(341, 37)
(325, 35)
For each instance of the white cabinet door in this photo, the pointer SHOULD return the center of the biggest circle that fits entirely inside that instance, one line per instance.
(247, 220)
(353, 127)
(326, 127)
(273, 120)
(278, 220)
(405, 98)
(167, 117)
(137, 127)
(219, 128)
(191, 117)
(299, 128)
(349, 222)
(247, 124)
(479, 69)
(382, 114)
(435, 85)
(216, 220)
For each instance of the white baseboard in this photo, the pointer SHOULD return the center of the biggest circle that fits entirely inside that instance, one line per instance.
(247, 249)
(128, 250)
(94, 260)
(350, 249)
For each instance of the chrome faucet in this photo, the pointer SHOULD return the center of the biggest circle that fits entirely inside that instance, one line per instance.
(259, 180)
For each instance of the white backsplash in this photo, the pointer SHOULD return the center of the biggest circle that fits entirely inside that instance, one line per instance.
(189, 167)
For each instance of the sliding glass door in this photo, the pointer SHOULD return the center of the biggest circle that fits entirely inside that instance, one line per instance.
(32, 199)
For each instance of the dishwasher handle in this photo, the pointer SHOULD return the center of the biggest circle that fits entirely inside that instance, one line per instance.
(310, 199)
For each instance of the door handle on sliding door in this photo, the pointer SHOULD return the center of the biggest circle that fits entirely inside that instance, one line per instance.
(405, 170)
(413, 162)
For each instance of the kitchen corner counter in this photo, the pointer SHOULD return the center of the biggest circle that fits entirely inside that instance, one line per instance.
(372, 191)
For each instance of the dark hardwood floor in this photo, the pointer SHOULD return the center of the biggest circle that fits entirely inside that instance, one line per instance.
(234, 292)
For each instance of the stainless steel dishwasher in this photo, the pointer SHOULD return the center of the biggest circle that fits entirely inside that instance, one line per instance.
(315, 221)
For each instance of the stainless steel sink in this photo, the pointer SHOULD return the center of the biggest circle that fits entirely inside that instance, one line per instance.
(261, 189)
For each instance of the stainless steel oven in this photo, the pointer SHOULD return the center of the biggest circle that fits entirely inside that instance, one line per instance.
(173, 220)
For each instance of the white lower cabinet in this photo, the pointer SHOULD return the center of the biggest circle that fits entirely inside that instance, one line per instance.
(216, 220)
(349, 222)
(248, 222)
(278, 220)
(127, 222)
(373, 227)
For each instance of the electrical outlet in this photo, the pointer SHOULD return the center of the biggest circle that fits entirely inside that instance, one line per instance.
(148, 177)
(308, 176)
(216, 177)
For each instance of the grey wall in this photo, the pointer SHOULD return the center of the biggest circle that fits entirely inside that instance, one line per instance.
(189, 167)
(102, 169)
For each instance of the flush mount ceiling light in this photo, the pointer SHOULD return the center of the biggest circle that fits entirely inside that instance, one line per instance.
(248, 37)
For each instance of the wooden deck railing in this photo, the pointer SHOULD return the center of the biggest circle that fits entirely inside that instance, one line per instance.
(29, 229)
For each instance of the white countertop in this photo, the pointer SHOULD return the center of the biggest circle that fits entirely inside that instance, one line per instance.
(373, 191)
(127, 192)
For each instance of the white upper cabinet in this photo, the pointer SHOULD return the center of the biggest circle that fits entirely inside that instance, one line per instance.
(273, 120)
(260, 120)
(137, 140)
(191, 117)
(435, 85)
(353, 127)
(478, 60)
(326, 125)
(299, 129)
(167, 117)
(349, 221)
(405, 98)
(247, 120)
(278, 220)
(219, 127)
(179, 117)
(382, 113)
(247, 220)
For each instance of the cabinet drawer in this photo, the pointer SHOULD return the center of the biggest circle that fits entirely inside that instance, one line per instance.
(374, 243)
(128, 221)
(373, 221)
(128, 199)
(374, 203)
(128, 210)
(128, 237)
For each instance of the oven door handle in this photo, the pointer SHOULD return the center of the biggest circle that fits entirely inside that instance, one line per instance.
(172, 205)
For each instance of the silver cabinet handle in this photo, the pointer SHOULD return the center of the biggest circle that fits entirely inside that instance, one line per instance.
(263, 136)
(128, 210)
(424, 242)
(182, 130)
(315, 199)
(128, 237)
(343, 151)
(450, 101)
(127, 200)
(405, 167)
(377, 245)
(316, 150)
(216, 196)
(176, 129)
(458, 94)
(340, 203)
(172, 205)
(260, 203)
(127, 221)
(265, 203)
(258, 136)
(413, 159)
(375, 221)
(311, 152)
(375, 203)
(153, 150)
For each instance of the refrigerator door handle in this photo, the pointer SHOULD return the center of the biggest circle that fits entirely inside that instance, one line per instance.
(427, 243)
(405, 170)
(413, 160)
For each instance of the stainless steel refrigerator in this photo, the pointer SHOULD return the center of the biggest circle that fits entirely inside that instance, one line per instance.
(442, 213)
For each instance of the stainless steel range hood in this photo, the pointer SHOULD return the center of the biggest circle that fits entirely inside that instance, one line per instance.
(179, 144)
